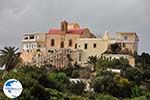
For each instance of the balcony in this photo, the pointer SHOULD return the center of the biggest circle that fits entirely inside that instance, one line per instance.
(32, 40)
(29, 40)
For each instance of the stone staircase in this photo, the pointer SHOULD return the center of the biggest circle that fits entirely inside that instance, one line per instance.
(59, 58)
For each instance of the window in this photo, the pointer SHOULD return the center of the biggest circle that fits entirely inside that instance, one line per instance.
(85, 46)
(70, 43)
(75, 45)
(39, 55)
(124, 45)
(32, 46)
(50, 51)
(27, 46)
(32, 37)
(94, 45)
(62, 44)
(80, 57)
(125, 38)
(38, 50)
(52, 42)
(39, 45)
(25, 38)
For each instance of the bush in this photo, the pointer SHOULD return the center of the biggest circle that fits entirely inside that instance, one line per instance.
(105, 97)
(77, 87)
(75, 74)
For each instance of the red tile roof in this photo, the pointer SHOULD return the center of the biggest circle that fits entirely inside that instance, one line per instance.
(70, 31)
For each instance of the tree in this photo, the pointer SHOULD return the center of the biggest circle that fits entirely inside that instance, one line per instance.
(134, 74)
(105, 97)
(38, 84)
(77, 87)
(10, 58)
(56, 95)
(145, 58)
(111, 83)
(77, 98)
(137, 91)
(29, 78)
(93, 60)
(104, 84)
(146, 74)
(104, 63)
(140, 98)
(58, 81)
(75, 73)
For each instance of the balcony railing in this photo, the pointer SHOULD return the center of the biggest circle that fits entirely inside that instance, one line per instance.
(33, 40)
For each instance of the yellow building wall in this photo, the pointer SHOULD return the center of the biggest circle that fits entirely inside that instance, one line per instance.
(27, 56)
(66, 37)
(74, 40)
(132, 38)
(131, 61)
(39, 40)
(58, 38)
(101, 47)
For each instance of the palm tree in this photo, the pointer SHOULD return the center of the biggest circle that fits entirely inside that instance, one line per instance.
(9, 57)
(93, 60)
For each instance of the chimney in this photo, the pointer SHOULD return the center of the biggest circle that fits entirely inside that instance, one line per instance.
(106, 36)
(64, 26)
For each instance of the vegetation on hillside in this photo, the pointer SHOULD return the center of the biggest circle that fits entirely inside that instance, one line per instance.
(132, 83)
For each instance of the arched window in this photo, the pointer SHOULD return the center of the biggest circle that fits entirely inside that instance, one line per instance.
(76, 45)
(70, 43)
(62, 44)
(52, 42)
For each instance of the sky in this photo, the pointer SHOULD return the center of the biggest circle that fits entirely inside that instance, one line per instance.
(21, 16)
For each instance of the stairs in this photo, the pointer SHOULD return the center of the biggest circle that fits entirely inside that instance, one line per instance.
(59, 58)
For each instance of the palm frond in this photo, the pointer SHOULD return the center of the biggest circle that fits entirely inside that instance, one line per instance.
(10, 57)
